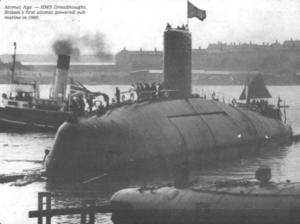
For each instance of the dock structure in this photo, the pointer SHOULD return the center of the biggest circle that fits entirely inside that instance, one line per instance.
(87, 210)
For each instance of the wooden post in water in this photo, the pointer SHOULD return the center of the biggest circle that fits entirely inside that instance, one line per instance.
(41, 203)
(88, 204)
(87, 210)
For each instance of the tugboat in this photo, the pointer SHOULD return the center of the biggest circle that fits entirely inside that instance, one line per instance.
(225, 202)
(23, 109)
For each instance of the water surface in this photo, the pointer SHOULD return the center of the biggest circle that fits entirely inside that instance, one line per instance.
(24, 151)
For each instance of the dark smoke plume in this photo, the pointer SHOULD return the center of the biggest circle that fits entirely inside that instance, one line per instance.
(97, 44)
(93, 44)
(63, 46)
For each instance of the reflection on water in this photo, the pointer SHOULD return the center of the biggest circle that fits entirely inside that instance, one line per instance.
(250, 158)
(20, 151)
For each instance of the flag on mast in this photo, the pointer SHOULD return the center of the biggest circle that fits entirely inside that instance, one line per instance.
(78, 88)
(193, 11)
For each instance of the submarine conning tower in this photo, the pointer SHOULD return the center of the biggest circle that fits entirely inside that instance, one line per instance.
(177, 62)
(61, 77)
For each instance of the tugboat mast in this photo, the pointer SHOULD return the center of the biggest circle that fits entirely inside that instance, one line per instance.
(13, 63)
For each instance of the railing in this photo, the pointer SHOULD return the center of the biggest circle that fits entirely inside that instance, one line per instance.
(87, 210)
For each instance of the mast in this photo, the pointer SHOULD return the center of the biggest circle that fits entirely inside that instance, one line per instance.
(187, 13)
(13, 67)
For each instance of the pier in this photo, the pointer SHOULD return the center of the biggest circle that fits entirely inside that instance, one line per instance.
(87, 210)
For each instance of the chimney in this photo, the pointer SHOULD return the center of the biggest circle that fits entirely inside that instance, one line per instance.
(61, 77)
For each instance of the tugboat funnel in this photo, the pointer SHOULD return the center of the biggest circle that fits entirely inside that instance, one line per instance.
(61, 77)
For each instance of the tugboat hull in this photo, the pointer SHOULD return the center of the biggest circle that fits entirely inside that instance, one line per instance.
(26, 119)
(24, 110)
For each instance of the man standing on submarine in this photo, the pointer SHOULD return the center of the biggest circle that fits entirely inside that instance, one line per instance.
(90, 103)
(118, 95)
(81, 105)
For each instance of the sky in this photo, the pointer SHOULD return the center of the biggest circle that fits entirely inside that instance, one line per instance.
(136, 24)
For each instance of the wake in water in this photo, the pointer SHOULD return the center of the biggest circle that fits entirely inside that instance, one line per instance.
(25, 177)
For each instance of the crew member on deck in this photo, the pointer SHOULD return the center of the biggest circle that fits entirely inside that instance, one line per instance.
(74, 107)
(138, 91)
(81, 105)
(168, 27)
(153, 91)
(101, 109)
(279, 102)
(90, 103)
(118, 94)
(213, 96)
(47, 151)
(160, 91)
(106, 99)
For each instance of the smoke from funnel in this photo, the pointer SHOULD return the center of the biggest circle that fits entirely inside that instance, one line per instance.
(97, 44)
(63, 47)
(90, 44)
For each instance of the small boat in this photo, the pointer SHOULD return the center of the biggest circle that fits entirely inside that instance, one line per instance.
(23, 109)
(256, 95)
(255, 89)
(234, 201)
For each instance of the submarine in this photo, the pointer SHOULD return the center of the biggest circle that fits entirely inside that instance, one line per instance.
(170, 129)
(224, 202)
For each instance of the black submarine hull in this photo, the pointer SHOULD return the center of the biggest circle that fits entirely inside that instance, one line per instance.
(167, 130)
(145, 131)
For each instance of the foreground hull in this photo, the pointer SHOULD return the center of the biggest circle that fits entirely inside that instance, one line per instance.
(255, 204)
(142, 132)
